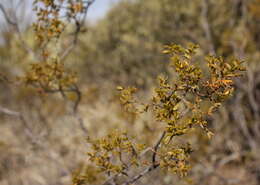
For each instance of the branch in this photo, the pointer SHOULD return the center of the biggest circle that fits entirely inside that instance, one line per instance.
(140, 175)
(206, 25)
(17, 30)
(239, 117)
(75, 110)
(112, 178)
(8, 20)
(79, 25)
(152, 167)
(28, 130)
(9, 112)
(156, 147)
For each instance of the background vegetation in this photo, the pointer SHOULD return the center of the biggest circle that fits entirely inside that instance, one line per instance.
(42, 136)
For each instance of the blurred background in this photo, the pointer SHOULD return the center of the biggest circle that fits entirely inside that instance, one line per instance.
(123, 46)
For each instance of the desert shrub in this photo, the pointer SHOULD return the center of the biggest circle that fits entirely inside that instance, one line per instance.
(182, 106)
(125, 49)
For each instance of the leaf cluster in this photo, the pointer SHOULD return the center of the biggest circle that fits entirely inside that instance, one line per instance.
(53, 17)
(189, 100)
(115, 153)
(50, 76)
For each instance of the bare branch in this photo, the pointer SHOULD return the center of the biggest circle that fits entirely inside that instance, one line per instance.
(152, 167)
(28, 130)
(206, 26)
(140, 175)
(75, 112)
(241, 120)
(156, 147)
(7, 18)
(15, 25)
(9, 112)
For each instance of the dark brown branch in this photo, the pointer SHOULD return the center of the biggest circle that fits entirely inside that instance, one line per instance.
(107, 182)
(79, 24)
(156, 147)
(75, 111)
(152, 167)
(140, 175)
(75, 90)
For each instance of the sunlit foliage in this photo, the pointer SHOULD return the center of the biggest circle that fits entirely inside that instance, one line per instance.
(182, 105)
(196, 98)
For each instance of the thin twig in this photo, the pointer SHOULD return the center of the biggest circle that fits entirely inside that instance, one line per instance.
(28, 130)
(107, 182)
(140, 175)
(79, 25)
(152, 167)
(76, 112)
(17, 30)
(156, 147)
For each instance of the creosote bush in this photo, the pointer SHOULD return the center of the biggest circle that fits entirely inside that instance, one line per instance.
(181, 105)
